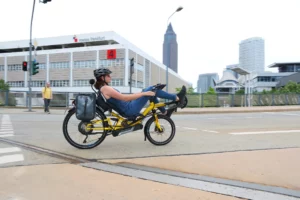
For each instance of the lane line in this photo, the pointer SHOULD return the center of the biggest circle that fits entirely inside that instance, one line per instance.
(210, 131)
(265, 132)
(11, 158)
(9, 149)
(190, 128)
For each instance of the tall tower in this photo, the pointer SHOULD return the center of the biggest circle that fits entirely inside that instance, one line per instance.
(252, 54)
(170, 49)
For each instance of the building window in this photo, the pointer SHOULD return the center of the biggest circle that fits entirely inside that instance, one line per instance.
(81, 83)
(15, 83)
(85, 64)
(112, 62)
(17, 67)
(59, 65)
(38, 83)
(268, 79)
(42, 66)
(59, 83)
(117, 82)
(140, 84)
(1, 67)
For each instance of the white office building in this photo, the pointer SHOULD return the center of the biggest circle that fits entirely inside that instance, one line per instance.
(252, 54)
(67, 62)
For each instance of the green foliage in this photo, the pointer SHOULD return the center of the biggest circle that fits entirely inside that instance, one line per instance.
(3, 86)
(242, 91)
(4, 91)
(211, 91)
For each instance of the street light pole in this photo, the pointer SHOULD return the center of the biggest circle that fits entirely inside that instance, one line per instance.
(167, 71)
(30, 56)
(30, 52)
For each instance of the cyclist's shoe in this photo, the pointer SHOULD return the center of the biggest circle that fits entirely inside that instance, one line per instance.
(181, 96)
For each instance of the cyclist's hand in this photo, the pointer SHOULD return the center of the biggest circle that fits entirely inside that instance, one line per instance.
(149, 93)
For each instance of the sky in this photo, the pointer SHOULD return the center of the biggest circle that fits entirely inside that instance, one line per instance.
(208, 31)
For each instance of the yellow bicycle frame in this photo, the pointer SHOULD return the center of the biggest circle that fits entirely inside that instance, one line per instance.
(120, 119)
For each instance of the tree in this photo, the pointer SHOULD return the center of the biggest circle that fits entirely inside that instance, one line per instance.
(3, 86)
(242, 91)
(211, 91)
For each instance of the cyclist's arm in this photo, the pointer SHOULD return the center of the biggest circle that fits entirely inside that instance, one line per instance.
(110, 92)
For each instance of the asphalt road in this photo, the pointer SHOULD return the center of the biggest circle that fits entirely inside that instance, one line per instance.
(195, 134)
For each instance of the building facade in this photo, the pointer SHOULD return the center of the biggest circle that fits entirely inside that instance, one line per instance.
(252, 54)
(67, 62)
(170, 49)
(205, 81)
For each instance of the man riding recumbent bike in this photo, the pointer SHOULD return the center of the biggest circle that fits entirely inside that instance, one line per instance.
(126, 113)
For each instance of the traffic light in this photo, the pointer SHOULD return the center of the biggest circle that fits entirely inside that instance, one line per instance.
(132, 65)
(24, 66)
(35, 67)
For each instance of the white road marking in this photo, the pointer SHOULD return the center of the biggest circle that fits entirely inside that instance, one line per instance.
(190, 128)
(265, 132)
(11, 158)
(9, 149)
(278, 113)
(6, 135)
(6, 129)
(290, 114)
(210, 131)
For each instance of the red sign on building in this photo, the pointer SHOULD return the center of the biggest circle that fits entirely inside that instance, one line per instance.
(111, 54)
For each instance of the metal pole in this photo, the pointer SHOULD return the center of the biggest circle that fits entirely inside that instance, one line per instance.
(169, 63)
(30, 56)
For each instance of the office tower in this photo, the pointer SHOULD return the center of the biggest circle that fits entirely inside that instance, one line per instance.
(205, 81)
(170, 49)
(252, 54)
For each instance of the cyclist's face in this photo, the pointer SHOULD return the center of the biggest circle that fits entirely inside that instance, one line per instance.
(107, 78)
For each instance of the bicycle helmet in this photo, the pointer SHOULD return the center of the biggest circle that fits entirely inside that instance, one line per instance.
(101, 72)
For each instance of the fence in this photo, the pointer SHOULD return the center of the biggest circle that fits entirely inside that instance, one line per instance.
(62, 99)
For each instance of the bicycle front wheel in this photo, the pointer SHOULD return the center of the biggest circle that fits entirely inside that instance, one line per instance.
(160, 136)
(77, 134)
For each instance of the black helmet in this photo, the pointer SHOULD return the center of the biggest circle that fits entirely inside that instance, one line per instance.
(101, 72)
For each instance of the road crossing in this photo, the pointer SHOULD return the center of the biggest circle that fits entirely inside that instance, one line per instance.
(6, 129)
(8, 154)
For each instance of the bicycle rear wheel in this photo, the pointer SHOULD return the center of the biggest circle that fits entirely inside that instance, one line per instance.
(77, 135)
(160, 137)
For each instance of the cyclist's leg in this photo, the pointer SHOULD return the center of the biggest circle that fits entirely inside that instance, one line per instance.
(164, 95)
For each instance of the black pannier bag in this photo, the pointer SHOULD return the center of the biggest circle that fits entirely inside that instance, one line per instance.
(86, 106)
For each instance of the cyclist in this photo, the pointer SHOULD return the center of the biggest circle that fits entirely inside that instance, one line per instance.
(132, 104)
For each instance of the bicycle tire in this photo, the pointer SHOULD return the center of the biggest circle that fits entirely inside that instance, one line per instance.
(147, 130)
(79, 146)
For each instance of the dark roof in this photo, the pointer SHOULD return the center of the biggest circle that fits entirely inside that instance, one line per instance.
(280, 64)
(284, 80)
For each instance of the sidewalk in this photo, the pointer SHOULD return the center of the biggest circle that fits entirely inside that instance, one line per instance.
(67, 181)
(22, 110)
(278, 167)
